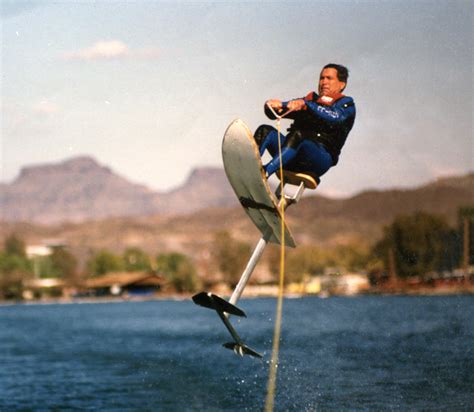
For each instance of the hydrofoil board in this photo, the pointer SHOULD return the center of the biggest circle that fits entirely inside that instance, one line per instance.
(244, 170)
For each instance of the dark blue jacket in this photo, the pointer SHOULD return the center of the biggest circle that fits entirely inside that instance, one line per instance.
(327, 124)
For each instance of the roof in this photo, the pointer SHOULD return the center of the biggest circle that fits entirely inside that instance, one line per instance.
(43, 283)
(123, 279)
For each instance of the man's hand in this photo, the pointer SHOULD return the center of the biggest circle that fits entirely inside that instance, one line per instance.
(296, 105)
(275, 104)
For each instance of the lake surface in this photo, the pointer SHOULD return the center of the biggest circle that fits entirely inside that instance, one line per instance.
(363, 353)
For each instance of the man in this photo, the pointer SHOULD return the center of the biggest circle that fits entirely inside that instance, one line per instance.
(321, 124)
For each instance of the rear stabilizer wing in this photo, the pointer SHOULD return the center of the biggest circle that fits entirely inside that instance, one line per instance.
(223, 309)
(211, 301)
(241, 349)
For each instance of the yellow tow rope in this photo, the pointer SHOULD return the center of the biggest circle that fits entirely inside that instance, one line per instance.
(271, 385)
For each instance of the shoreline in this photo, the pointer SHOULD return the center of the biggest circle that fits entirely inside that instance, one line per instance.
(429, 292)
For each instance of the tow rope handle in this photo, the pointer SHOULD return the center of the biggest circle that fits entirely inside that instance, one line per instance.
(277, 116)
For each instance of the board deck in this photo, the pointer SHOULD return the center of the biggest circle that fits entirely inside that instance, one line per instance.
(246, 175)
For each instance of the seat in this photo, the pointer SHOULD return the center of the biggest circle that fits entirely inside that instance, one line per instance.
(296, 178)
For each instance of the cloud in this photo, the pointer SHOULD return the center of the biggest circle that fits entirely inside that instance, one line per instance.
(46, 107)
(111, 49)
(102, 50)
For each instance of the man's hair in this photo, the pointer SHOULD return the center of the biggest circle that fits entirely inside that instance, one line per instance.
(342, 71)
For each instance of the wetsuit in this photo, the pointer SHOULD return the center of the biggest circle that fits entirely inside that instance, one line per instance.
(315, 138)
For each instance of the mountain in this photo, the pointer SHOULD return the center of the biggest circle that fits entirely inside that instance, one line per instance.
(81, 189)
(315, 220)
(205, 187)
(366, 213)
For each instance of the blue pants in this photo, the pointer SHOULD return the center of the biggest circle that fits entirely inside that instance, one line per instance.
(307, 156)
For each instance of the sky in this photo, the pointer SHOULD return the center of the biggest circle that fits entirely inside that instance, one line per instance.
(149, 87)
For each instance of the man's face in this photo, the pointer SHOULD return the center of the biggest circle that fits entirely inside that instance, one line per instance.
(329, 84)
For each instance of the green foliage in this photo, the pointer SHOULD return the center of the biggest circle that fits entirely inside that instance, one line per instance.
(136, 260)
(15, 246)
(14, 268)
(60, 264)
(230, 256)
(132, 260)
(103, 262)
(64, 264)
(11, 285)
(466, 223)
(179, 271)
(352, 257)
(304, 261)
(13, 263)
(43, 267)
(419, 243)
(466, 212)
(311, 260)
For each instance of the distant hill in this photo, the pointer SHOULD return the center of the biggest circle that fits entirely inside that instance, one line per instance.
(205, 187)
(106, 210)
(81, 189)
(366, 213)
(315, 220)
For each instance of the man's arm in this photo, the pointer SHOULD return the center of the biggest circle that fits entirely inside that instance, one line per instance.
(276, 105)
(281, 107)
(337, 113)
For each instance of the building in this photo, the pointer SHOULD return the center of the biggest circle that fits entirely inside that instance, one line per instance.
(40, 288)
(124, 284)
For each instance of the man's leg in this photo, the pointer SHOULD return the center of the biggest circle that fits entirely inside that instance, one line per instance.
(288, 152)
(302, 156)
(266, 138)
(312, 158)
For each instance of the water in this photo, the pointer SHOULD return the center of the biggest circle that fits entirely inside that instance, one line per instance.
(364, 353)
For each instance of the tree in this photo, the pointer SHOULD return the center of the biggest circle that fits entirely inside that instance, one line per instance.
(14, 268)
(179, 272)
(418, 243)
(310, 260)
(353, 256)
(64, 264)
(306, 260)
(103, 262)
(44, 267)
(466, 236)
(13, 271)
(11, 283)
(136, 260)
(231, 256)
(15, 246)
(60, 264)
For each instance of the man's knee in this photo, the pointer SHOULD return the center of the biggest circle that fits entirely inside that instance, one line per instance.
(261, 133)
(294, 139)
